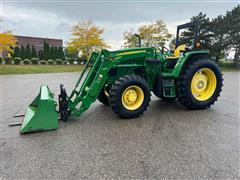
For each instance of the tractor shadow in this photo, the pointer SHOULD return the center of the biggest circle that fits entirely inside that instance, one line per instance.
(156, 110)
(100, 119)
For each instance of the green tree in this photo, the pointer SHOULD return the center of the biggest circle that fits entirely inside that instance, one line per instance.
(46, 50)
(41, 55)
(153, 35)
(34, 52)
(172, 43)
(129, 39)
(56, 53)
(61, 53)
(219, 28)
(22, 52)
(233, 17)
(28, 52)
(203, 22)
(71, 54)
(16, 51)
(52, 53)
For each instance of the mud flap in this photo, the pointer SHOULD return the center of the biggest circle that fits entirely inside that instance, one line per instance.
(41, 114)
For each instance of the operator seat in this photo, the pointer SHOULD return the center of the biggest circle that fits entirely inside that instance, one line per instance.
(177, 52)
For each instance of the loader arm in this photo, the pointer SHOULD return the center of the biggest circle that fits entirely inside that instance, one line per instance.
(89, 85)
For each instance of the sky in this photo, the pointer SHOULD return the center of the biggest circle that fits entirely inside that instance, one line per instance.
(54, 18)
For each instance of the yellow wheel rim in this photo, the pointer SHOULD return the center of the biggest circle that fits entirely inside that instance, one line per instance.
(132, 97)
(203, 84)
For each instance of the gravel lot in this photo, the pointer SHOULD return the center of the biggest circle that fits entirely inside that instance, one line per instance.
(167, 142)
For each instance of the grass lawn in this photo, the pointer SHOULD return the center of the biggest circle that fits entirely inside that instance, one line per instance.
(226, 66)
(34, 69)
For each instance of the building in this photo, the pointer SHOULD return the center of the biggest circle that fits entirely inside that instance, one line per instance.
(37, 42)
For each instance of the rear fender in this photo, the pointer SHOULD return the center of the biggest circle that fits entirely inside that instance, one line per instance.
(185, 58)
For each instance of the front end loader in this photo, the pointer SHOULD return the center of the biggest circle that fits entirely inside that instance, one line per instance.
(124, 80)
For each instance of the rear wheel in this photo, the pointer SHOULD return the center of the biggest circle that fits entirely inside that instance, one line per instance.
(129, 96)
(199, 84)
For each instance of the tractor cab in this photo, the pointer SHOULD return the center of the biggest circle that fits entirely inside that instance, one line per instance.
(181, 47)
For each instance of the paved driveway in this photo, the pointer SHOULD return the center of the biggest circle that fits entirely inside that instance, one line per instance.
(168, 141)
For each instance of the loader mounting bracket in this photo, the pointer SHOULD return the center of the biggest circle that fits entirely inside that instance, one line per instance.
(63, 104)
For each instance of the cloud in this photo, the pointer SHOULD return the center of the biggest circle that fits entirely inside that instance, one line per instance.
(126, 11)
(63, 27)
(115, 44)
(54, 19)
(10, 21)
(33, 22)
(172, 26)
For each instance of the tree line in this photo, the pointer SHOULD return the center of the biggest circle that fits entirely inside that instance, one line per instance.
(220, 34)
(48, 52)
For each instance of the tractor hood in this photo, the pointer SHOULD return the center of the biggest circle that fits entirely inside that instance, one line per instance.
(130, 52)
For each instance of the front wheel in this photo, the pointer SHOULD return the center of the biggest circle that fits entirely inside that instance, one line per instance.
(103, 96)
(129, 96)
(199, 84)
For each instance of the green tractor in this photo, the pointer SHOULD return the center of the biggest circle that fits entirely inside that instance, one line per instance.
(124, 80)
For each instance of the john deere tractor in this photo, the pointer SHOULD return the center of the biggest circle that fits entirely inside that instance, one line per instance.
(125, 79)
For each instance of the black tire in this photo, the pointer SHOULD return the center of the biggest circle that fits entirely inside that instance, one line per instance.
(157, 94)
(168, 99)
(183, 84)
(116, 92)
(102, 97)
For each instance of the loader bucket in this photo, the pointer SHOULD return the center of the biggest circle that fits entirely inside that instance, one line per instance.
(41, 114)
